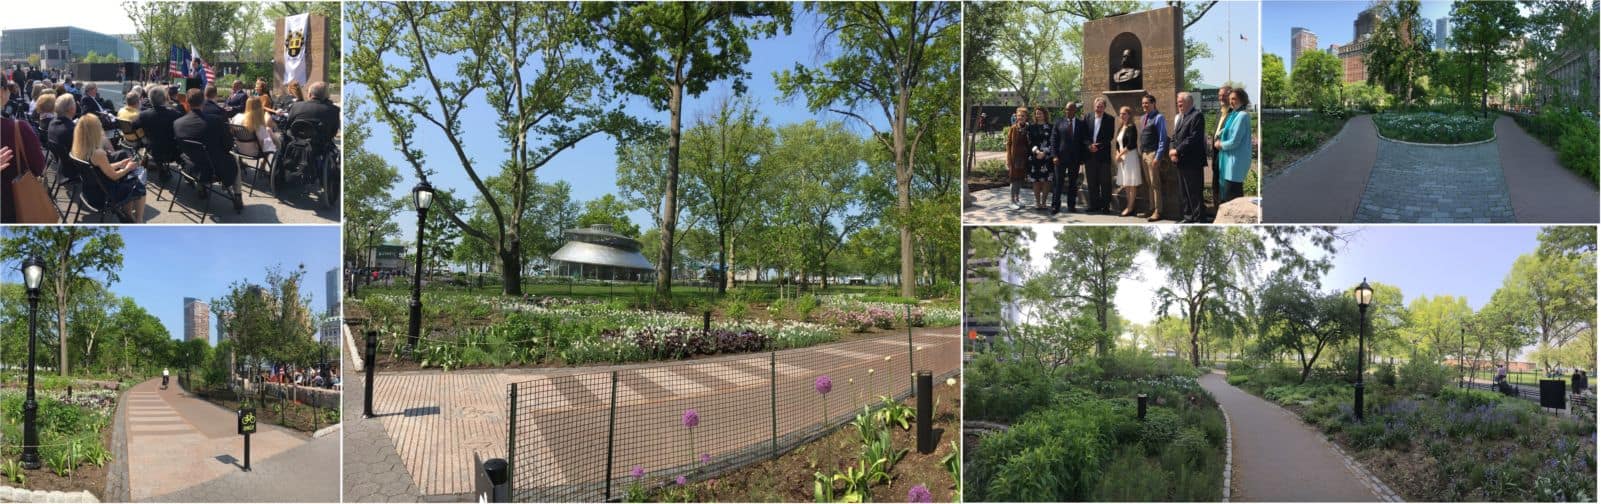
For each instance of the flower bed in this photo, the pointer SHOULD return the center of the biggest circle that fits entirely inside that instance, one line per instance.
(73, 438)
(1435, 127)
(1432, 443)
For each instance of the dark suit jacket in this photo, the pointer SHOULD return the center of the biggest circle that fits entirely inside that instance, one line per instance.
(321, 110)
(60, 132)
(236, 101)
(159, 135)
(95, 105)
(1069, 147)
(1104, 138)
(1189, 137)
(211, 108)
(211, 130)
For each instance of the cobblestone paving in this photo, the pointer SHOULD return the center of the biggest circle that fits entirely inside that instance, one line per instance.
(1429, 184)
(373, 470)
(306, 473)
(994, 206)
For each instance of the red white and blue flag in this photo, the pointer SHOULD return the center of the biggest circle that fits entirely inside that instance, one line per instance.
(177, 62)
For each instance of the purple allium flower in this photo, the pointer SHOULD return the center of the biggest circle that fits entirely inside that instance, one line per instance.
(919, 493)
(705, 458)
(691, 418)
(824, 384)
(638, 472)
(682, 480)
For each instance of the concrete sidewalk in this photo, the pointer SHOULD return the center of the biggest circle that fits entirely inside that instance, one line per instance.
(1541, 189)
(177, 441)
(1278, 458)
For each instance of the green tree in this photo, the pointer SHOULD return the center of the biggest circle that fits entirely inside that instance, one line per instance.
(369, 183)
(1481, 31)
(642, 180)
(72, 256)
(1275, 84)
(1297, 317)
(1569, 241)
(725, 156)
(1435, 325)
(1089, 262)
(665, 51)
(889, 56)
(440, 230)
(1205, 270)
(157, 26)
(820, 168)
(609, 211)
(547, 95)
(1316, 79)
(1398, 50)
(1027, 45)
(1557, 293)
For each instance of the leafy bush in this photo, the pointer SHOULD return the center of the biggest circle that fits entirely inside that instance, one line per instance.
(1051, 455)
(1003, 391)
(1385, 374)
(1237, 379)
(1423, 376)
(1160, 427)
(1577, 149)
(1132, 477)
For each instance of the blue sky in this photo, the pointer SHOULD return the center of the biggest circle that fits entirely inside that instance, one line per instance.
(591, 166)
(1330, 20)
(161, 265)
(1229, 20)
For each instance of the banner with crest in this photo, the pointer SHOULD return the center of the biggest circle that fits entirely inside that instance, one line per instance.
(295, 46)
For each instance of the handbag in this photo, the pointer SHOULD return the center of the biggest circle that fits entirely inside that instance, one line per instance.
(32, 205)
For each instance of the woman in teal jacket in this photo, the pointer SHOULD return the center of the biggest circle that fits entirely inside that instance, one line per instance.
(1234, 145)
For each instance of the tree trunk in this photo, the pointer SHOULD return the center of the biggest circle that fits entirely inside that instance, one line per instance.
(722, 261)
(61, 307)
(664, 263)
(903, 179)
(511, 260)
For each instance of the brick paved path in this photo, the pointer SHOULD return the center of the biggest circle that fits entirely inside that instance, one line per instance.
(1278, 458)
(177, 441)
(438, 421)
(1436, 184)
(1540, 188)
(373, 471)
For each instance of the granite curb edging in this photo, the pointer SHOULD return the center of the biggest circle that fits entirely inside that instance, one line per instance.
(117, 489)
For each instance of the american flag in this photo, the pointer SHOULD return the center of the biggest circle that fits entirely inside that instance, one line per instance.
(177, 62)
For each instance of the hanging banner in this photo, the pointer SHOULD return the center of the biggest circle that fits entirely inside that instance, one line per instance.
(295, 46)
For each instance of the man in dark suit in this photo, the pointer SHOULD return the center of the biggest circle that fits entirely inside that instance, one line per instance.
(236, 101)
(157, 122)
(212, 131)
(1188, 153)
(1098, 165)
(210, 107)
(1067, 142)
(316, 106)
(94, 104)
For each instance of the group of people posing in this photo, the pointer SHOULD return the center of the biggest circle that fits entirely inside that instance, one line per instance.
(1128, 152)
(155, 120)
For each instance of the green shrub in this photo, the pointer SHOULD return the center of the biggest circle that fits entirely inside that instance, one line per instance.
(1132, 477)
(1159, 428)
(1385, 374)
(805, 305)
(1467, 399)
(1423, 375)
(1004, 391)
(1577, 149)
(1237, 379)
(1056, 454)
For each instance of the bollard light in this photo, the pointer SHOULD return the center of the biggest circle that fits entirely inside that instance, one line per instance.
(33, 276)
(925, 413)
(1141, 399)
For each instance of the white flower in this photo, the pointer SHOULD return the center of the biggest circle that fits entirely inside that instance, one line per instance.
(950, 381)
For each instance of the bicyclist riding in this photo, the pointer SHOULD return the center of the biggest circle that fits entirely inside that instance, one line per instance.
(163, 378)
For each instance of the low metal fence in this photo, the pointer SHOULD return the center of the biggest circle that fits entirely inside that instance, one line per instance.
(592, 436)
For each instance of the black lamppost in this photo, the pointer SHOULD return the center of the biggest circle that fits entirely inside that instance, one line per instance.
(1364, 297)
(32, 275)
(421, 197)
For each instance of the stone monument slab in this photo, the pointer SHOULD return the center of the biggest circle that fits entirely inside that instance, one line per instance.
(1126, 57)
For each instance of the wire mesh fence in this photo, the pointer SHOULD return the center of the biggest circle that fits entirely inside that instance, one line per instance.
(590, 436)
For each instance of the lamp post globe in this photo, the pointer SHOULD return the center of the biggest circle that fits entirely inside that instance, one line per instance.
(32, 276)
(422, 196)
(1364, 297)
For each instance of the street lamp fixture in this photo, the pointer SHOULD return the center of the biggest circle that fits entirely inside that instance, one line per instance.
(33, 276)
(1364, 297)
(422, 197)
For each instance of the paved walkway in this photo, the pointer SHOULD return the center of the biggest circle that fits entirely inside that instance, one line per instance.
(177, 442)
(1436, 184)
(373, 470)
(1327, 186)
(1278, 458)
(438, 421)
(994, 206)
(1541, 189)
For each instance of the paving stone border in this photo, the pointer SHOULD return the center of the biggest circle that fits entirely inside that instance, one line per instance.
(10, 494)
(1228, 444)
(1382, 137)
(117, 475)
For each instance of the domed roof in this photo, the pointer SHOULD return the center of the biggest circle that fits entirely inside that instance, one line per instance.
(598, 245)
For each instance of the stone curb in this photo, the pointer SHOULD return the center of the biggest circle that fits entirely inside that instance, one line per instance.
(117, 489)
(1420, 144)
(326, 431)
(10, 494)
(1228, 443)
(351, 349)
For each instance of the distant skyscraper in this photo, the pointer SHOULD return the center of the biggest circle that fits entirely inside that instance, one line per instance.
(1442, 33)
(222, 326)
(1301, 40)
(1363, 26)
(196, 320)
(332, 288)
